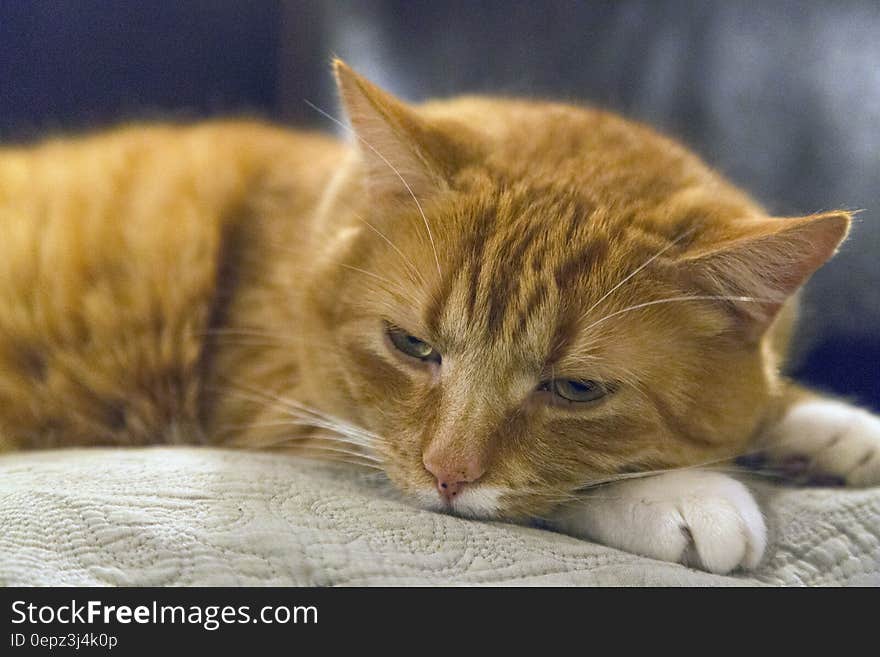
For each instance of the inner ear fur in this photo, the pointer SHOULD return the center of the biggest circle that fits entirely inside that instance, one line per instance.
(760, 263)
(400, 148)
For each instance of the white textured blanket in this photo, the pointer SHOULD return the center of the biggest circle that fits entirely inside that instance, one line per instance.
(172, 516)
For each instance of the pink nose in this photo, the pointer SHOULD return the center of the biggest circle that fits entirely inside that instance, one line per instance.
(453, 477)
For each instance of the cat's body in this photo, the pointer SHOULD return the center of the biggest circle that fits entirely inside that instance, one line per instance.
(496, 302)
(119, 253)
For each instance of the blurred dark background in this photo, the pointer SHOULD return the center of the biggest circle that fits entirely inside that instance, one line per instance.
(782, 96)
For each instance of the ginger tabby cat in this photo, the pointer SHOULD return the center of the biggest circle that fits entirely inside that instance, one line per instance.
(501, 304)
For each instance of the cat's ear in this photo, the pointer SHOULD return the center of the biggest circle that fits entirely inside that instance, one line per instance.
(403, 153)
(763, 262)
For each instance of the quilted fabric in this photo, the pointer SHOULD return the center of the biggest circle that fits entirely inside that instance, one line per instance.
(190, 516)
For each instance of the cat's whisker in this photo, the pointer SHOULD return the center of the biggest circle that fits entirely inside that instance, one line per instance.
(325, 456)
(336, 437)
(693, 297)
(406, 260)
(244, 332)
(412, 270)
(716, 464)
(368, 273)
(248, 337)
(280, 338)
(548, 497)
(352, 437)
(675, 241)
(266, 345)
(758, 450)
(247, 341)
(625, 476)
(304, 444)
(396, 172)
(339, 426)
(391, 287)
(323, 420)
(340, 438)
(299, 443)
(298, 406)
(326, 448)
(580, 359)
(748, 472)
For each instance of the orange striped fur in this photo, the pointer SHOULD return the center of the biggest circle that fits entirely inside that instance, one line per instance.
(230, 283)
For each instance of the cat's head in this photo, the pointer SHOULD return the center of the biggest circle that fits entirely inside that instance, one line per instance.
(535, 297)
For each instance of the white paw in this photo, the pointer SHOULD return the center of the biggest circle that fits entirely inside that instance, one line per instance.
(702, 519)
(826, 438)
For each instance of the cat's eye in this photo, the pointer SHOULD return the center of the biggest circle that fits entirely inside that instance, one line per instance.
(575, 391)
(411, 345)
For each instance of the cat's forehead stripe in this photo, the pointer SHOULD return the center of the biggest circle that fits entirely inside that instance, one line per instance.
(467, 257)
(519, 257)
(512, 288)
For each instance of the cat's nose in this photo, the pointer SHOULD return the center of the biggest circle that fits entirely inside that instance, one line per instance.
(452, 477)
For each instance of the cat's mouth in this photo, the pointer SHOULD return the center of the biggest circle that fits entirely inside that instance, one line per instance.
(478, 501)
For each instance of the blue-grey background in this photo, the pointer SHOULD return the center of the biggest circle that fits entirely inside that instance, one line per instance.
(782, 96)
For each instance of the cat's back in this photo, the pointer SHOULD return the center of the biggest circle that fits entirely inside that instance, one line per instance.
(112, 250)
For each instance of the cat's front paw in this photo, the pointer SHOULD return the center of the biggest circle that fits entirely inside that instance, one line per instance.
(701, 519)
(825, 440)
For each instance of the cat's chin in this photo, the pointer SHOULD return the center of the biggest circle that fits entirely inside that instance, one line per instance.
(477, 502)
